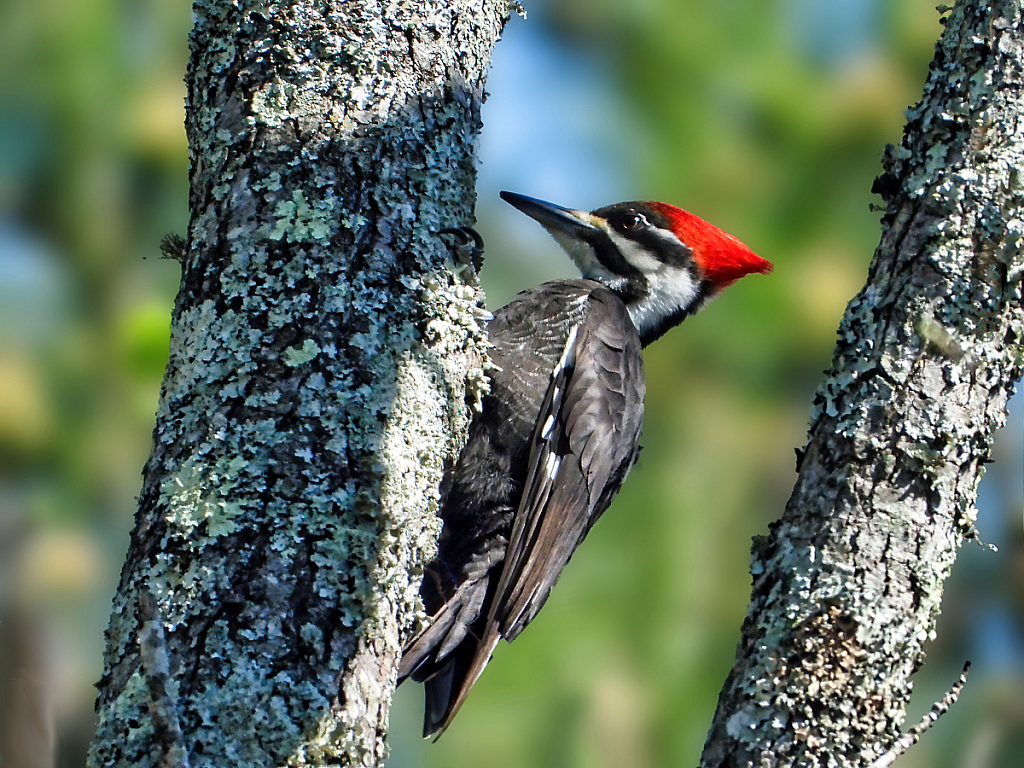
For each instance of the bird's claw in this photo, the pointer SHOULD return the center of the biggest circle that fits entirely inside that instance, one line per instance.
(468, 248)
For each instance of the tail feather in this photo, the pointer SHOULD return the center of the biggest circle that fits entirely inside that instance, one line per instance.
(449, 655)
(428, 651)
(447, 689)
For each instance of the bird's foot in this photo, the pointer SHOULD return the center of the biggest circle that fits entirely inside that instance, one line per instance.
(468, 246)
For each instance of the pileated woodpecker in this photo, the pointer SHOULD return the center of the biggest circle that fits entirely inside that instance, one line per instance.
(560, 427)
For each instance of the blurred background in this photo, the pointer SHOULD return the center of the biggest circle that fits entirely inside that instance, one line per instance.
(767, 118)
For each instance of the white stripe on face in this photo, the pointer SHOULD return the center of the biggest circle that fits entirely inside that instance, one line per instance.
(581, 252)
(669, 288)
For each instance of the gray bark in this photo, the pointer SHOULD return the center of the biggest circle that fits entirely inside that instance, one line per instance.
(847, 584)
(324, 349)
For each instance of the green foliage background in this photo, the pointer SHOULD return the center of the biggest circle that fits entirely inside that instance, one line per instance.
(767, 118)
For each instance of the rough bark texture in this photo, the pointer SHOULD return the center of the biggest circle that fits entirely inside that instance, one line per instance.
(324, 347)
(848, 583)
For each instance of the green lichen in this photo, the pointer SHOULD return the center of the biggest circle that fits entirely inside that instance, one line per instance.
(196, 493)
(295, 356)
(297, 220)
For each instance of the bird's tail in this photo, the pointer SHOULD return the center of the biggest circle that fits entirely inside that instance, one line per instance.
(446, 689)
(449, 655)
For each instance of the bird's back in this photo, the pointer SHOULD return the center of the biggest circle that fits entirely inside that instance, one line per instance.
(557, 434)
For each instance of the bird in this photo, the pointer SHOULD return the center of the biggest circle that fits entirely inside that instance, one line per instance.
(560, 427)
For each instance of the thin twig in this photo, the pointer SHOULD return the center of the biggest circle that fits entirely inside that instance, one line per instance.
(910, 738)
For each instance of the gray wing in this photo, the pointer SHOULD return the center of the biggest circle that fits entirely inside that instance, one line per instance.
(585, 442)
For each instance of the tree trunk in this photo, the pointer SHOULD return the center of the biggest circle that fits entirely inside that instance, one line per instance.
(324, 349)
(848, 583)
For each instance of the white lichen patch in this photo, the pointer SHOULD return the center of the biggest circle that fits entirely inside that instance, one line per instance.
(197, 494)
(297, 220)
(295, 356)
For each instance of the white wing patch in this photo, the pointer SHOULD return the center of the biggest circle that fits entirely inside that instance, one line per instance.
(568, 358)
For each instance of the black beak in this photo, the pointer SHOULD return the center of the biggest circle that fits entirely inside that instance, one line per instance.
(553, 218)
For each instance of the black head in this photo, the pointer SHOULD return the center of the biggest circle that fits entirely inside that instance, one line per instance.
(664, 263)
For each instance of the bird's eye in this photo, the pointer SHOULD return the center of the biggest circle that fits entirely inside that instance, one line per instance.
(632, 220)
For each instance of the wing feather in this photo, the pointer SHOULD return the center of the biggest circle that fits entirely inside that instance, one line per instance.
(596, 402)
(584, 440)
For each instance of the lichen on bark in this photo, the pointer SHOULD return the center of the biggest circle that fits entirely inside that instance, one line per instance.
(847, 585)
(306, 416)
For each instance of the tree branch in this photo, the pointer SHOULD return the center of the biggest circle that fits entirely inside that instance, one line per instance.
(848, 583)
(324, 347)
